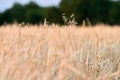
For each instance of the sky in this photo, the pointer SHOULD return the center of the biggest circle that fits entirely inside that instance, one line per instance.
(6, 4)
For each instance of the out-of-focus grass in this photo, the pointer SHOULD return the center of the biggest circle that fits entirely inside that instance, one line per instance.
(59, 53)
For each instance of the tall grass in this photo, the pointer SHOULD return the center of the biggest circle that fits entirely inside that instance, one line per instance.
(59, 53)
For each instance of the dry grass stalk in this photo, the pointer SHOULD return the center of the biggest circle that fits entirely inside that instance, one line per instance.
(59, 53)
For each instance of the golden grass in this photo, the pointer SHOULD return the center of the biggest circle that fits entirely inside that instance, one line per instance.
(59, 53)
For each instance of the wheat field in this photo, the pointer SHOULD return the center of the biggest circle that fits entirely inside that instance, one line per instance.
(59, 52)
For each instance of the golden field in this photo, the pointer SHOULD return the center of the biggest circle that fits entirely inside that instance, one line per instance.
(59, 53)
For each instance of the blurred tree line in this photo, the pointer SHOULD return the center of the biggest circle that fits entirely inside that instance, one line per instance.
(93, 11)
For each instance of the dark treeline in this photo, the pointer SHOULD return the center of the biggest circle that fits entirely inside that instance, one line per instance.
(93, 11)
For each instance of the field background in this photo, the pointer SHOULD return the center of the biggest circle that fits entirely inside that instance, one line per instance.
(66, 41)
(59, 52)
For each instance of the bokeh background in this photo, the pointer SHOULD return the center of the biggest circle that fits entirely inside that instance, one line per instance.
(35, 11)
